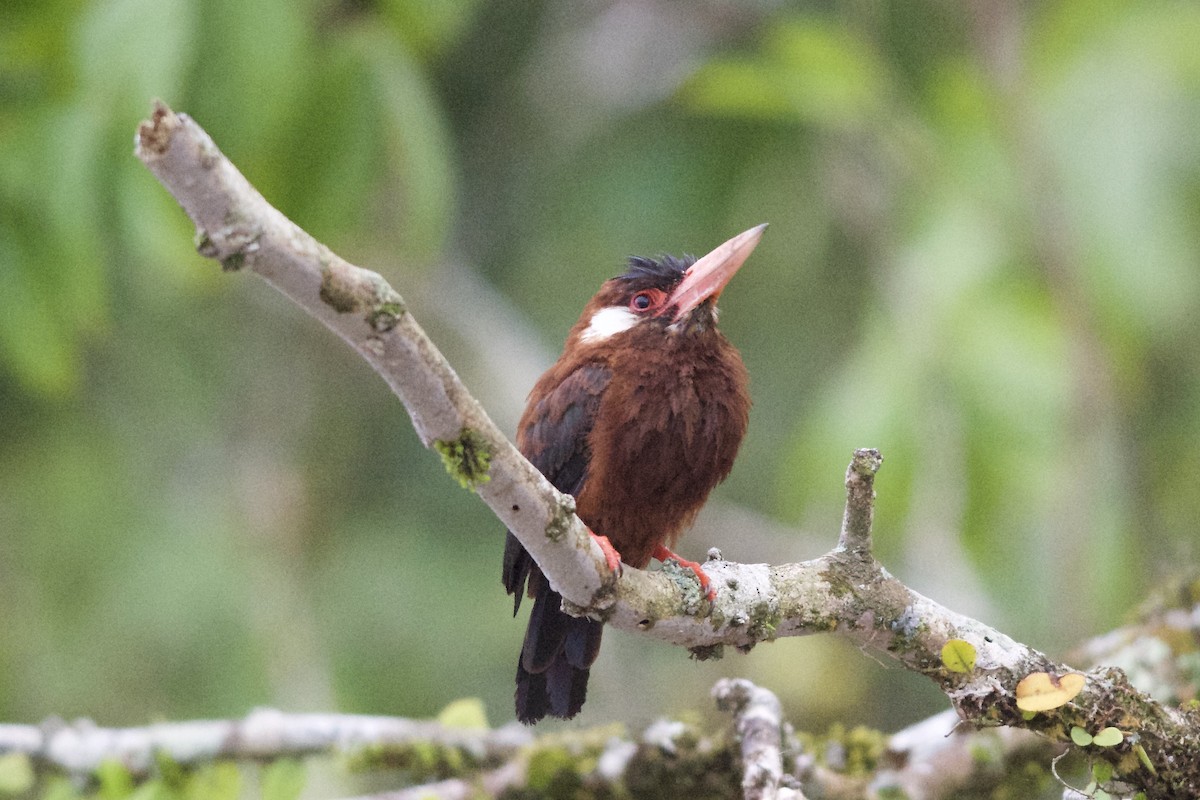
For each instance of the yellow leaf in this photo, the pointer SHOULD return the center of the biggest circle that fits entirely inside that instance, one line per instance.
(1042, 691)
(958, 655)
(466, 713)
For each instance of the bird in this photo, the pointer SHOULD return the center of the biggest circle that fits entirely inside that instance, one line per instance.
(639, 418)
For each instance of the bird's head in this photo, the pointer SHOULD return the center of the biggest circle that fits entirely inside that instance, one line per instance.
(674, 295)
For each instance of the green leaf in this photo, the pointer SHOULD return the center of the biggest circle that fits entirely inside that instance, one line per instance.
(429, 26)
(16, 773)
(283, 779)
(221, 780)
(247, 86)
(133, 50)
(740, 88)
(152, 790)
(60, 788)
(809, 68)
(1109, 737)
(416, 142)
(1145, 759)
(466, 713)
(1102, 772)
(958, 655)
(35, 343)
(1080, 737)
(115, 780)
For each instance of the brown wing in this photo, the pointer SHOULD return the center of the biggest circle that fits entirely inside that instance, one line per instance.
(553, 435)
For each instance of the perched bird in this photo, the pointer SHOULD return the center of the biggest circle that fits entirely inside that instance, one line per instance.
(640, 417)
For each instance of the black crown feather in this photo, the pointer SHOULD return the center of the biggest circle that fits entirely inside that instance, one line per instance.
(663, 272)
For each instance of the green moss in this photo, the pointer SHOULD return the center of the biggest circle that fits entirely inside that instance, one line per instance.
(697, 768)
(854, 752)
(423, 761)
(385, 316)
(554, 773)
(561, 767)
(763, 621)
(467, 458)
(839, 583)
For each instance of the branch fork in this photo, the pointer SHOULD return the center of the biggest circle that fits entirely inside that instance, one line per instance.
(845, 591)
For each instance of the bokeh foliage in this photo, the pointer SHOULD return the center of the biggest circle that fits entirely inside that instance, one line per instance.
(985, 221)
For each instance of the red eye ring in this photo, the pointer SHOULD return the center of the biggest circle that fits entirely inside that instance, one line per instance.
(647, 300)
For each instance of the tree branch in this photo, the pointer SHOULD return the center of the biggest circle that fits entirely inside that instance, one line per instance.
(846, 591)
(80, 748)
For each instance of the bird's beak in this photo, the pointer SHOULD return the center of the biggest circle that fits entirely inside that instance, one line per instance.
(708, 276)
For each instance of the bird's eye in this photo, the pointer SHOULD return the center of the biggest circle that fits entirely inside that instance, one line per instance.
(642, 301)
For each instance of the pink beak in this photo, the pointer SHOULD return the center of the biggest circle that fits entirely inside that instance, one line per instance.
(708, 276)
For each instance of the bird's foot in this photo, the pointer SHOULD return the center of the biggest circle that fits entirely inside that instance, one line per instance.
(662, 554)
(611, 557)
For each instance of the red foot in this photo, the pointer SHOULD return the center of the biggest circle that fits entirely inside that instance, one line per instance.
(611, 556)
(662, 554)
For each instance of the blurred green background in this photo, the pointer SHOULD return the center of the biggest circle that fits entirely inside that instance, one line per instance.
(985, 220)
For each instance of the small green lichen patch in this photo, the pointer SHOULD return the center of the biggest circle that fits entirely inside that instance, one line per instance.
(467, 458)
(233, 262)
(385, 316)
(387, 307)
(560, 522)
(763, 621)
(424, 760)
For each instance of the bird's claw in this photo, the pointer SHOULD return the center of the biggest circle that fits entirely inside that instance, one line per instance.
(611, 557)
(662, 554)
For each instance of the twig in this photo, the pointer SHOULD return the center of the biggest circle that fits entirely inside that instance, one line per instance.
(860, 501)
(758, 721)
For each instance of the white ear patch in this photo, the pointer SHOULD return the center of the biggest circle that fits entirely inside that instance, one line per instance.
(607, 322)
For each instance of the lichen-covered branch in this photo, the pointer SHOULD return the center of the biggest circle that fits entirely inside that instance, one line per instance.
(237, 227)
(81, 747)
(845, 591)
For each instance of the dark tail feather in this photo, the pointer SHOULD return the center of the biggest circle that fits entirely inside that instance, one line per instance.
(552, 672)
(517, 564)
